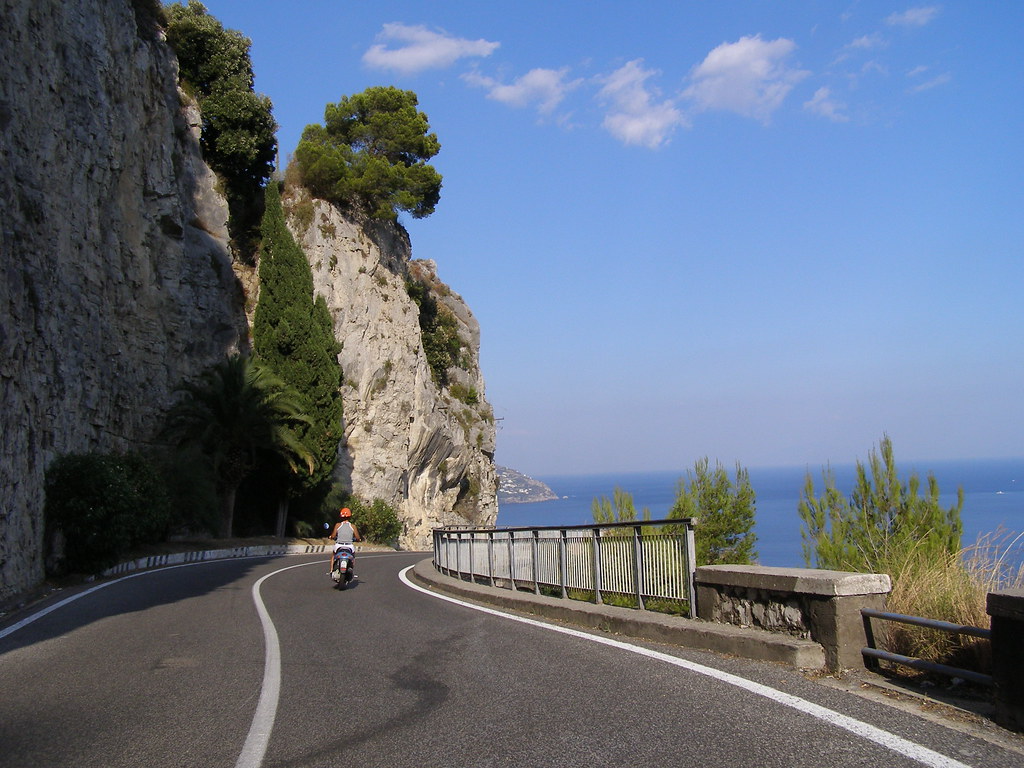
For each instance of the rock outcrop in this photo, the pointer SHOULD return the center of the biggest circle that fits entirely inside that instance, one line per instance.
(116, 280)
(408, 440)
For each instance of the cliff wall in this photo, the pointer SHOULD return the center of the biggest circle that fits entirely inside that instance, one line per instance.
(116, 283)
(408, 440)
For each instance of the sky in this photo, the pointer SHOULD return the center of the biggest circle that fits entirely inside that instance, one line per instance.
(766, 233)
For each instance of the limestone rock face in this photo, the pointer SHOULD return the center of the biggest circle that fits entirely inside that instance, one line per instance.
(116, 283)
(407, 440)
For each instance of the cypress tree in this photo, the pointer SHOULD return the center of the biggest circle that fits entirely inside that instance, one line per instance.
(293, 335)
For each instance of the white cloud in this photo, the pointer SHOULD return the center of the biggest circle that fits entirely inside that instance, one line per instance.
(933, 83)
(634, 116)
(420, 49)
(544, 87)
(823, 104)
(915, 17)
(867, 42)
(749, 77)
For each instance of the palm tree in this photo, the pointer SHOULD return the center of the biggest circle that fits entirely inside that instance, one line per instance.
(235, 410)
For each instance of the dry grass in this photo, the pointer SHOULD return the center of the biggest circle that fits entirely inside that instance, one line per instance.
(954, 589)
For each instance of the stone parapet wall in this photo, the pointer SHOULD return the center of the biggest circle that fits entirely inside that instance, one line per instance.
(818, 605)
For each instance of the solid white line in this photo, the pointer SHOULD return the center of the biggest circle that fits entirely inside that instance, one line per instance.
(888, 740)
(266, 710)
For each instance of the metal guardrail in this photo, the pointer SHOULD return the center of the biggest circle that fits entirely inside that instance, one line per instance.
(872, 655)
(643, 560)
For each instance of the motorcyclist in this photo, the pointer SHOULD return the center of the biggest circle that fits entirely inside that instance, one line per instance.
(344, 535)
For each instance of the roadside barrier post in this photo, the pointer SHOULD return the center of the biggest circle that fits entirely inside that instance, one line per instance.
(1006, 608)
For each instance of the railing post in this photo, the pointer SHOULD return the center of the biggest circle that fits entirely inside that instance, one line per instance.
(561, 562)
(595, 543)
(472, 564)
(691, 567)
(458, 554)
(535, 560)
(490, 555)
(638, 567)
(511, 561)
(870, 662)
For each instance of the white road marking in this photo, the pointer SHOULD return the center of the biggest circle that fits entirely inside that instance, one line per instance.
(888, 740)
(266, 710)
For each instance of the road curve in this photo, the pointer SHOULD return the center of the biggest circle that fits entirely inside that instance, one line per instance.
(262, 662)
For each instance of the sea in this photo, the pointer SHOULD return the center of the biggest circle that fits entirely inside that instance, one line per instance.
(993, 501)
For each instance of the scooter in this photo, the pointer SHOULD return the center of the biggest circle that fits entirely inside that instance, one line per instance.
(341, 566)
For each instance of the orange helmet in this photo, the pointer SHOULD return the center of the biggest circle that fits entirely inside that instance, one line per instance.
(346, 513)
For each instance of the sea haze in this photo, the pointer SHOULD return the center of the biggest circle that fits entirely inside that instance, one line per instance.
(993, 499)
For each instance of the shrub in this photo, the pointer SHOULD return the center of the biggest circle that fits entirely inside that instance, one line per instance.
(439, 331)
(725, 510)
(104, 504)
(884, 521)
(378, 522)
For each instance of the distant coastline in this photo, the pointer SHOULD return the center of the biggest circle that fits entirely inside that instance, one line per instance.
(516, 488)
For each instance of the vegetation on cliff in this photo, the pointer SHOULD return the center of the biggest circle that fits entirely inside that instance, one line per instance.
(237, 411)
(238, 128)
(293, 335)
(372, 150)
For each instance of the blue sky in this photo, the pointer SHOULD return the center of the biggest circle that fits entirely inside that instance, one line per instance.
(760, 232)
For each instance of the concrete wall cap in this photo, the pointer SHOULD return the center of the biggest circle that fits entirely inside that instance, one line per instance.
(808, 581)
(1006, 604)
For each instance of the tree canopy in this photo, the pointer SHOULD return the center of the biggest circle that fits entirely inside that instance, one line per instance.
(373, 149)
(724, 533)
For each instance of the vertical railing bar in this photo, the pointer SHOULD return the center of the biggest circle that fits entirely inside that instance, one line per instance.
(490, 556)
(691, 567)
(535, 553)
(638, 567)
(870, 662)
(595, 543)
(511, 561)
(561, 562)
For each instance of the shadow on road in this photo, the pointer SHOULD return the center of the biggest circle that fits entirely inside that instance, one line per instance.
(101, 599)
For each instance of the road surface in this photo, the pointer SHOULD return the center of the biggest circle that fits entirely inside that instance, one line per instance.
(261, 662)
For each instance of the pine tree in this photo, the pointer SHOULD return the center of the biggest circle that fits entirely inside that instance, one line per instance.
(882, 523)
(293, 335)
(724, 510)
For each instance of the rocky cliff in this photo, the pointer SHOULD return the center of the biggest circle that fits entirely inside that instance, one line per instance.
(116, 280)
(117, 284)
(408, 440)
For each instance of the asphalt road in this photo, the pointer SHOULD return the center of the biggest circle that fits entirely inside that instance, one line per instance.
(168, 668)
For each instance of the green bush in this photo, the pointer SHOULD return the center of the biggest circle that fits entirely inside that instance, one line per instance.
(883, 521)
(104, 504)
(192, 490)
(377, 521)
(725, 510)
(439, 332)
